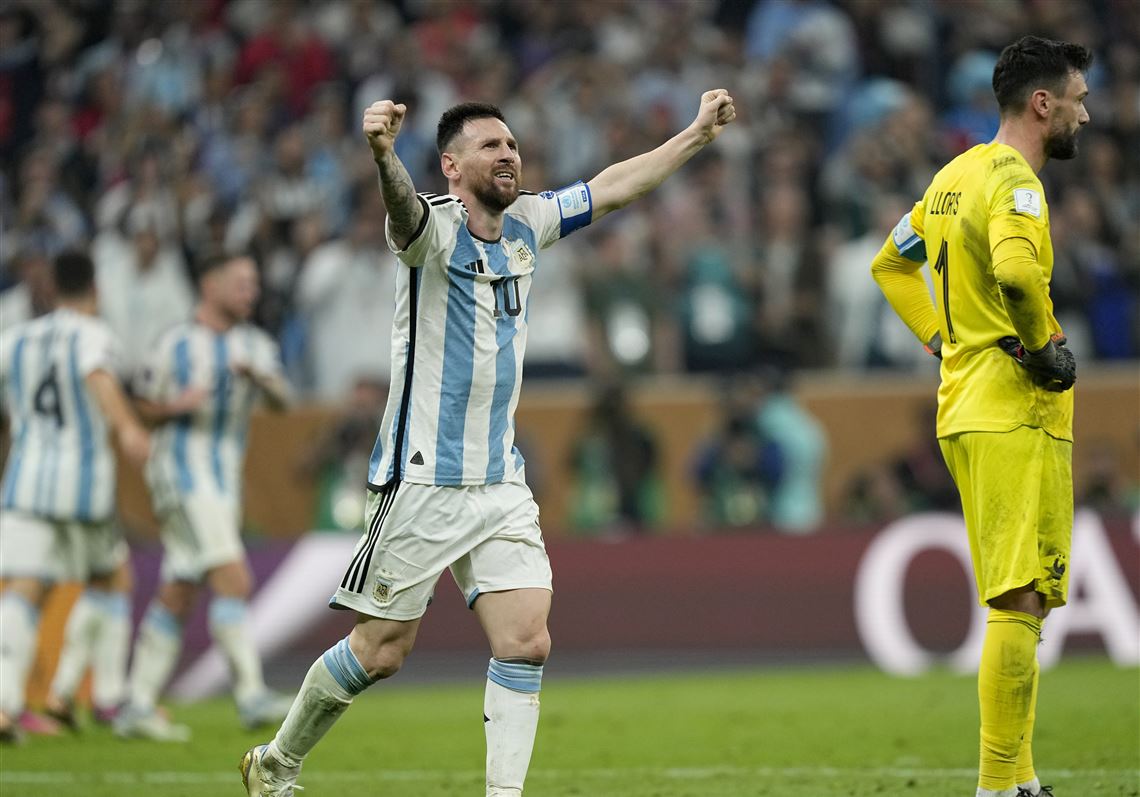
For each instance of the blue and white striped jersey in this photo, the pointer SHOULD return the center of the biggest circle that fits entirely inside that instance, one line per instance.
(61, 465)
(203, 452)
(458, 340)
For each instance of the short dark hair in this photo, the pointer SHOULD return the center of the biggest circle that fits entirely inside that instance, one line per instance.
(1031, 63)
(212, 261)
(74, 273)
(453, 119)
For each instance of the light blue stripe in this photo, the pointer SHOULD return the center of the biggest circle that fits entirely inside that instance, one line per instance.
(28, 607)
(471, 598)
(114, 604)
(182, 425)
(228, 611)
(344, 667)
(46, 473)
(516, 676)
(221, 390)
(15, 458)
(458, 362)
(506, 370)
(250, 397)
(86, 435)
(160, 618)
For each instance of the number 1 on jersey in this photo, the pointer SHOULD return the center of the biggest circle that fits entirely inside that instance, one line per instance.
(942, 266)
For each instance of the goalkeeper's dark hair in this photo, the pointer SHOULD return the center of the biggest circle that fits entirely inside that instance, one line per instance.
(1032, 63)
(453, 119)
(74, 274)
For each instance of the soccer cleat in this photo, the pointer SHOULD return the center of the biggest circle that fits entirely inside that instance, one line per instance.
(10, 733)
(1046, 791)
(104, 715)
(268, 708)
(132, 723)
(63, 711)
(39, 724)
(259, 781)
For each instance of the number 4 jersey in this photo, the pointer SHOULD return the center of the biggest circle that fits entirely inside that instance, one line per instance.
(60, 465)
(458, 339)
(987, 194)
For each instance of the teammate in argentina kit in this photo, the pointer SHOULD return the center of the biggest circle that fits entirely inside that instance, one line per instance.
(200, 387)
(64, 400)
(447, 483)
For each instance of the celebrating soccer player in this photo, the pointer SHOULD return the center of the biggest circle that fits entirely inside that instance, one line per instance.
(64, 400)
(447, 484)
(199, 387)
(1005, 405)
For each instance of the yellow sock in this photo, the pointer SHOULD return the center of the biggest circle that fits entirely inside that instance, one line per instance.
(1025, 772)
(1005, 693)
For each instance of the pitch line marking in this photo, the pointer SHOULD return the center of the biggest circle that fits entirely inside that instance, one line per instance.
(64, 778)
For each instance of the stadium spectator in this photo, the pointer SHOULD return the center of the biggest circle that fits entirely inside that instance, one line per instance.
(344, 299)
(34, 291)
(338, 457)
(615, 470)
(143, 285)
(796, 501)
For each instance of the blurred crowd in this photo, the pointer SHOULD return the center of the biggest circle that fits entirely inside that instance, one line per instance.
(153, 131)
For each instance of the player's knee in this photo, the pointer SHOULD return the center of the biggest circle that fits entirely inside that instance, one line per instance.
(383, 660)
(533, 646)
(232, 580)
(1024, 600)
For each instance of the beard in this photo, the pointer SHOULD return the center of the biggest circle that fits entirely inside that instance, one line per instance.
(495, 196)
(1061, 144)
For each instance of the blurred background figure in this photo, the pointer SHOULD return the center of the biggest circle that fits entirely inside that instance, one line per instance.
(614, 467)
(336, 459)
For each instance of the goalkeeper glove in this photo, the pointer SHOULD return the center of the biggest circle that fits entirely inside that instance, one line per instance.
(934, 347)
(1052, 367)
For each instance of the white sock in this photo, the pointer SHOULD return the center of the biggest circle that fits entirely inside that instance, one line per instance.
(156, 653)
(18, 621)
(1033, 786)
(1003, 793)
(78, 639)
(228, 627)
(110, 651)
(510, 721)
(330, 685)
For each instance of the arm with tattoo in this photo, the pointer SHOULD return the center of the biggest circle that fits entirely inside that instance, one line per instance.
(382, 121)
(405, 209)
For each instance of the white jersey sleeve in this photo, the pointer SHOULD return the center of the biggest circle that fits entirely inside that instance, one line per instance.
(153, 381)
(100, 351)
(436, 231)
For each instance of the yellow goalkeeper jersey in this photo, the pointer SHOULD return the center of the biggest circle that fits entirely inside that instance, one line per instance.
(985, 195)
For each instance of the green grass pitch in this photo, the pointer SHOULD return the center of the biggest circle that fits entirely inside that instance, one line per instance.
(807, 732)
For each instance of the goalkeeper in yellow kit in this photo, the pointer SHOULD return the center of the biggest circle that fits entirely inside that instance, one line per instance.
(1005, 405)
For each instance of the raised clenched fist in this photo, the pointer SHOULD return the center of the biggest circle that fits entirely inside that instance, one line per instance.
(382, 121)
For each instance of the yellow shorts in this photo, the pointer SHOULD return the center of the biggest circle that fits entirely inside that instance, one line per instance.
(1017, 496)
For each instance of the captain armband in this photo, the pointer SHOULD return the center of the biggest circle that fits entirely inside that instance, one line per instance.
(907, 241)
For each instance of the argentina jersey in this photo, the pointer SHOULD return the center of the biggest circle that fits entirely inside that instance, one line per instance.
(202, 453)
(61, 465)
(458, 340)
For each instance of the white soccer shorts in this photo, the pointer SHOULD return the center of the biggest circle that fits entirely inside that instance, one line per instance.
(487, 534)
(198, 534)
(58, 550)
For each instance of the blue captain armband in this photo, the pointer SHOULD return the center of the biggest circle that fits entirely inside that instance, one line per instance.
(907, 241)
(575, 207)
